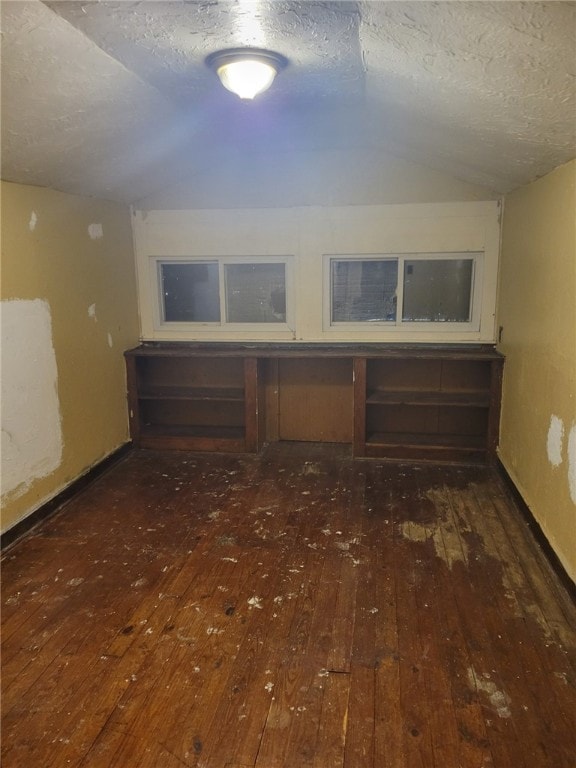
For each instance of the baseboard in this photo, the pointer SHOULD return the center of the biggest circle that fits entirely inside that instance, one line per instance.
(47, 509)
(538, 533)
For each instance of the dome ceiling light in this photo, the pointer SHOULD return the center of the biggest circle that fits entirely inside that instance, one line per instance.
(246, 71)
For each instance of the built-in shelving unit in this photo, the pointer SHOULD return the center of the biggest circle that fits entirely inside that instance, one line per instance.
(411, 402)
(188, 401)
(436, 404)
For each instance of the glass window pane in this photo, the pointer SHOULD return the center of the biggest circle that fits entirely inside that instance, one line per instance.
(190, 293)
(364, 291)
(437, 290)
(255, 293)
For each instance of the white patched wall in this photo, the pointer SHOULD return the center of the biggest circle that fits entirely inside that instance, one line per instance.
(30, 409)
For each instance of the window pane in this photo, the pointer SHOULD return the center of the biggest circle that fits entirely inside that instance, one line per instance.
(437, 290)
(255, 293)
(190, 293)
(364, 291)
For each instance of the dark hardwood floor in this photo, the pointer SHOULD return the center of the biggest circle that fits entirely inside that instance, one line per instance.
(296, 608)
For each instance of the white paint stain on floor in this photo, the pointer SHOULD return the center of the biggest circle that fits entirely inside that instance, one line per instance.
(448, 545)
(499, 700)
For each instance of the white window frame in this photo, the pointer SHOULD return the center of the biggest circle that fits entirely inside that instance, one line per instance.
(400, 326)
(223, 326)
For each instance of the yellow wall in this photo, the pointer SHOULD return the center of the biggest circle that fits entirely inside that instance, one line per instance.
(72, 259)
(537, 310)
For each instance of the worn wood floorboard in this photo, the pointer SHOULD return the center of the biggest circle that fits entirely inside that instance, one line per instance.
(295, 609)
(521, 687)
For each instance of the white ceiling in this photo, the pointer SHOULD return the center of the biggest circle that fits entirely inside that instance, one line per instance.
(113, 99)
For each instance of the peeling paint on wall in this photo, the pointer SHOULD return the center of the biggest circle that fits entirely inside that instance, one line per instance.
(33, 221)
(92, 312)
(110, 341)
(572, 463)
(31, 428)
(555, 445)
(555, 441)
(95, 231)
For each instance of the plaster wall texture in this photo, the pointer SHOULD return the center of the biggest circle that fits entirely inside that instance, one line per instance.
(31, 428)
(69, 311)
(537, 310)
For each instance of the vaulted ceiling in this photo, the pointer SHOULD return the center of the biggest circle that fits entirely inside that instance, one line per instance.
(114, 99)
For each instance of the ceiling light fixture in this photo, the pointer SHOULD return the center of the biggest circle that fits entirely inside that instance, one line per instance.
(246, 71)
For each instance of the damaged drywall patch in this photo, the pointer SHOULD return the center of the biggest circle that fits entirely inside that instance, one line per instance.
(572, 463)
(31, 423)
(555, 447)
(95, 231)
(555, 441)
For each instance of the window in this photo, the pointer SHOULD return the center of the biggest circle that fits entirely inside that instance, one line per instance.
(255, 293)
(437, 290)
(405, 291)
(190, 293)
(222, 291)
(364, 291)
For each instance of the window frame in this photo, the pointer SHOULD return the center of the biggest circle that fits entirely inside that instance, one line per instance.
(222, 326)
(400, 326)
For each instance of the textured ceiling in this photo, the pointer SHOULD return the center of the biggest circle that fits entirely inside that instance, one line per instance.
(113, 99)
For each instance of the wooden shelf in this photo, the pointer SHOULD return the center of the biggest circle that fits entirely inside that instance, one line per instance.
(192, 438)
(418, 397)
(212, 433)
(464, 449)
(229, 394)
(426, 440)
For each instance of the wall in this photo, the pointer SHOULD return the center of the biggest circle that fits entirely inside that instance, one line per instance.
(69, 310)
(537, 310)
(306, 235)
(318, 177)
